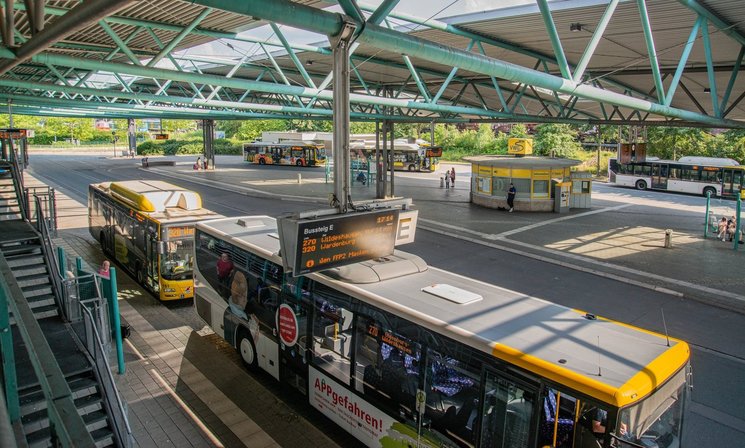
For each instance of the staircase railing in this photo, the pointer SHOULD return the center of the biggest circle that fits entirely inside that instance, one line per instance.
(18, 183)
(48, 204)
(68, 427)
(80, 298)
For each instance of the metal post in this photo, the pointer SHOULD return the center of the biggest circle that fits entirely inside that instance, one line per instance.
(208, 134)
(115, 322)
(706, 218)
(61, 260)
(132, 136)
(10, 381)
(379, 192)
(342, 157)
(384, 168)
(737, 221)
(10, 113)
(392, 155)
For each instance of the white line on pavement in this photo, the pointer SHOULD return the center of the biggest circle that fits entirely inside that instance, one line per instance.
(563, 218)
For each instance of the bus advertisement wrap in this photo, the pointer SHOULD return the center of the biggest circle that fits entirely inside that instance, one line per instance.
(350, 412)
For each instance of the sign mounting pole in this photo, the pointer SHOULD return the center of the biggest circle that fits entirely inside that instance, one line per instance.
(341, 115)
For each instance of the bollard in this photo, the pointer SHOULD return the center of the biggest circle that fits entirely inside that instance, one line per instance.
(442, 182)
(299, 178)
(669, 238)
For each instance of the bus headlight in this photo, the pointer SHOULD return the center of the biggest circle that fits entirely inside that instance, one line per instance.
(169, 290)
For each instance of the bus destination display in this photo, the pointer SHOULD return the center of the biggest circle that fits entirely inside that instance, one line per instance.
(341, 240)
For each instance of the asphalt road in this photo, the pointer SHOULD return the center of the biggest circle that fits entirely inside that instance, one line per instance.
(716, 415)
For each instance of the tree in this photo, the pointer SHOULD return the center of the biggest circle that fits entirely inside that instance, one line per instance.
(230, 127)
(558, 140)
(250, 130)
(362, 127)
(673, 143)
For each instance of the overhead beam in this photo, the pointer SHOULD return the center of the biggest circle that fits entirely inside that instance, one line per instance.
(330, 24)
(78, 18)
(727, 28)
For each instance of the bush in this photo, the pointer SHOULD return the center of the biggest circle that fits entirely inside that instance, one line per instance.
(228, 147)
(150, 148)
(176, 147)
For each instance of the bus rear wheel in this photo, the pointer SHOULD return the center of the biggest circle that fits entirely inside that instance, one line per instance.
(299, 163)
(246, 349)
(262, 161)
(412, 168)
(641, 184)
(711, 191)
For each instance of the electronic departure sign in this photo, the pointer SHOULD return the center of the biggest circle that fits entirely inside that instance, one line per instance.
(343, 239)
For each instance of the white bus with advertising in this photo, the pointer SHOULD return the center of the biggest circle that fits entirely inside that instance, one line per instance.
(399, 353)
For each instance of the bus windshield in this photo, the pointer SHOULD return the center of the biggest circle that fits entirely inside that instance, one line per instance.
(177, 263)
(658, 420)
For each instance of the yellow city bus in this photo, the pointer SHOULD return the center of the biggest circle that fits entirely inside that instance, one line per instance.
(148, 228)
(285, 153)
(399, 353)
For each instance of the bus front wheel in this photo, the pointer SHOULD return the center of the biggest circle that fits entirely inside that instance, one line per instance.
(299, 163)
(247, 349)
(711, 191)
(262, 161)
(641, 185)
(412, 168)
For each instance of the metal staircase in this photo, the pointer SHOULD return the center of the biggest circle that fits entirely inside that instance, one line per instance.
(69, 314)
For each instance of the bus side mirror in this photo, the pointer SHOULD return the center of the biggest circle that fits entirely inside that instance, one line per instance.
(162, 249)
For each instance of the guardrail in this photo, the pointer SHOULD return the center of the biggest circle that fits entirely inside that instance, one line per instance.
(48, 205)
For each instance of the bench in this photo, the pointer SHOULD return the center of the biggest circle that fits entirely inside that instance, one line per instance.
(149, 163)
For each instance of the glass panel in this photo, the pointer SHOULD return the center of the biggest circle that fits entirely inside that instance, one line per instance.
(540, 188)
(332, 339)
(177, 263)
(507, 413)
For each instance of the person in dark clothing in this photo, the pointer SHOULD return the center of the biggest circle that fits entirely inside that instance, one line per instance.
(511, 193)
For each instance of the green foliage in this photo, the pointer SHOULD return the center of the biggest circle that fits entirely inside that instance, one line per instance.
(673, 143)
(306, 126)
(362, 127)
(558, 140)
(250, 130)
(230, 127)
(176, 147)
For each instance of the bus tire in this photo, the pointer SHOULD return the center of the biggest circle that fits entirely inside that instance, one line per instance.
(262, 161)
(102, 240)
(412, 167)
(711, 190)
(641, 184)
(140, 274)
(299, 163)
(246, 349)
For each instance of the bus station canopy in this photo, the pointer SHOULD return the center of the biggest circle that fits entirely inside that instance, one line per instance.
(677, 62)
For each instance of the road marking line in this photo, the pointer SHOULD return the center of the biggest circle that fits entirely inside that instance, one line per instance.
(563, 218)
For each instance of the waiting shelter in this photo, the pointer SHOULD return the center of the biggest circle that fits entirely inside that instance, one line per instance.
(535, 178)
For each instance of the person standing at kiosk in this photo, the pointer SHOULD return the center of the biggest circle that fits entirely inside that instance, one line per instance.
(511, 193)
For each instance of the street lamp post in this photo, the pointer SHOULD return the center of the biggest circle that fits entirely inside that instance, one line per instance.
(113, 140)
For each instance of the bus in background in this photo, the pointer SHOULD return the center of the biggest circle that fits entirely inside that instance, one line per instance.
(696, 175)
(406, 156)
(395, 351)
(285, 153)
(148, 228)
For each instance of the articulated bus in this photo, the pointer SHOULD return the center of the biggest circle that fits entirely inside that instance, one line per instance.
(402, 354)
(148, 228)
(285, 153)
(696, 175)
(406, 156)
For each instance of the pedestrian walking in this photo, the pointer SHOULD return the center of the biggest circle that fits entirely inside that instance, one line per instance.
(511, 193)
(206, 162)
(447, 179)
(452, 177)
(198, 164)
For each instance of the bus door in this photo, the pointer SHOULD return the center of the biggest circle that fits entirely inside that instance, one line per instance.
(150, 270)
(731, 182)
(293, 328)
(508, 410)
(660, 173)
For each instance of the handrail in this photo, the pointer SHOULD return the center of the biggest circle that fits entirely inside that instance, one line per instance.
(118, 413)
(91, 340)
(18, 183)
(67, 424)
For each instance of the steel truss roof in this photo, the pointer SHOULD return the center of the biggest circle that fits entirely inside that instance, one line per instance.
(675, 62)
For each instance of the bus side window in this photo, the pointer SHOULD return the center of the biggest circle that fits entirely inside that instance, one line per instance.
(558, 411)
(507, 413)
(333, 339)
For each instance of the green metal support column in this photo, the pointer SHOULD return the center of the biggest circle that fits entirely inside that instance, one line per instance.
(579, 70)
(710, 67)
(10, 381)
(682, 63)
(561, 58)
(649, 39)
